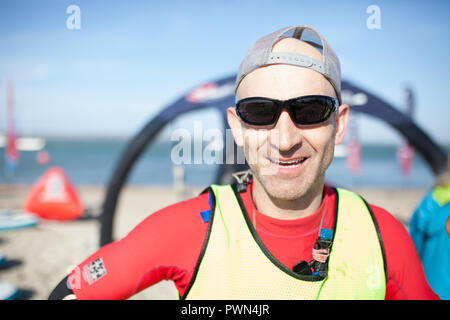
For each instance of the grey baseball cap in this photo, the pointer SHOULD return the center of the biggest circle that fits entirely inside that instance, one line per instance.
(260, 54)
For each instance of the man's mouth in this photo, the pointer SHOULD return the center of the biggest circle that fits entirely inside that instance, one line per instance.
(288, 163)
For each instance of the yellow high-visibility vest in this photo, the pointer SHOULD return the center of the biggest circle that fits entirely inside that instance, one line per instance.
(235, 264)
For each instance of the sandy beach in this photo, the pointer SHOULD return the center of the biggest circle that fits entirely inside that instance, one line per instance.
(39, 257)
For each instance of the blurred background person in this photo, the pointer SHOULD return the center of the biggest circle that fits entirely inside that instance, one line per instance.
(430, 231)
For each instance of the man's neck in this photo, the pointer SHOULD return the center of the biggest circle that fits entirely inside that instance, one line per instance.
(301, 207)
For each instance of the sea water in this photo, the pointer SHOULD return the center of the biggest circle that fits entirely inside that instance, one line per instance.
(93, 162)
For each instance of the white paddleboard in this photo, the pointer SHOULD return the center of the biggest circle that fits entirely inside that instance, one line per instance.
(10, 220)
(8, 291)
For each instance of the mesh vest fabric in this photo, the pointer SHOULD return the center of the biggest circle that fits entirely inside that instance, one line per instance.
(234, 263)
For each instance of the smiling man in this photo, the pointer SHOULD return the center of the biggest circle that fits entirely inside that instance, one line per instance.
(304, 151)
(279, 232)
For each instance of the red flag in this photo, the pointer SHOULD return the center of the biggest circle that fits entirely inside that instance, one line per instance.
(405, 155)
(354, 157)
(11, 154)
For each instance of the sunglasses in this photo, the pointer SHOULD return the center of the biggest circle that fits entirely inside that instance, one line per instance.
(260, 111)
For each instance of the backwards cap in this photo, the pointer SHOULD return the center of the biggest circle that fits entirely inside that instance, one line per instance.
(260, 54)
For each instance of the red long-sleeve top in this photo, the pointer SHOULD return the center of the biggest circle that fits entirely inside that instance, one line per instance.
(167, 244)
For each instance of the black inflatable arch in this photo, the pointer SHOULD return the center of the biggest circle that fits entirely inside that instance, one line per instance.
(219, 94)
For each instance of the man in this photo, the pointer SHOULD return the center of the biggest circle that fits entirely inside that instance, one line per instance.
(281, 233)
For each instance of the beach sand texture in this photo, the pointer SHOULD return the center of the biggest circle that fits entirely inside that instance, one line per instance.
(39, 257)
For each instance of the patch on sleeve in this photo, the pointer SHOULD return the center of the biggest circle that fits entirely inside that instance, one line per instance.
(205, 214)
(94, 271)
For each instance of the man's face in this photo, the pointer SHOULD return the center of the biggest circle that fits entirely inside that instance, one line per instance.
(287, 159)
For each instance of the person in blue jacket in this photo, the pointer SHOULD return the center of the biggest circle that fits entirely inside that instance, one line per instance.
(430, 232)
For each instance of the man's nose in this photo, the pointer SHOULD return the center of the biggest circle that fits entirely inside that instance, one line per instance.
(288, 133)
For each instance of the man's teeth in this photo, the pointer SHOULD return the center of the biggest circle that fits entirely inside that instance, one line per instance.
(290, 163)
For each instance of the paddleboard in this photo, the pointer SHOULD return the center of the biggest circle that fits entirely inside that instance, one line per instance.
(8, 291)
(11, 220)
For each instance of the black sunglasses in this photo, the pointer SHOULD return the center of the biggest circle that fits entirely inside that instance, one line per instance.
(260, 111)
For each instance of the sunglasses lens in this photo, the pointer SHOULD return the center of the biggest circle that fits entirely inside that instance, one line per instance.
(257, 112)
(303, 110)
(312, 110)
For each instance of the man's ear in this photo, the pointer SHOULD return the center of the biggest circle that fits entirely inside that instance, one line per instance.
(341, 123)
(236, 126)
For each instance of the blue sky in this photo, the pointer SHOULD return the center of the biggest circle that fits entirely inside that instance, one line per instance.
(132, 58)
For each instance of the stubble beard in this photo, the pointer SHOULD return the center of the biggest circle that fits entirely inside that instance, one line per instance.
(293, 189)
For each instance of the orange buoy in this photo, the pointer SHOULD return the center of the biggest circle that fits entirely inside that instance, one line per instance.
(54, 197)
(43, 157)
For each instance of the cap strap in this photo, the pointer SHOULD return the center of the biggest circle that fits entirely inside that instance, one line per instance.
(296, 59)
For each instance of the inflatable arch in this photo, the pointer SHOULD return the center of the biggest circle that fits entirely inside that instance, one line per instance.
(219, 94)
